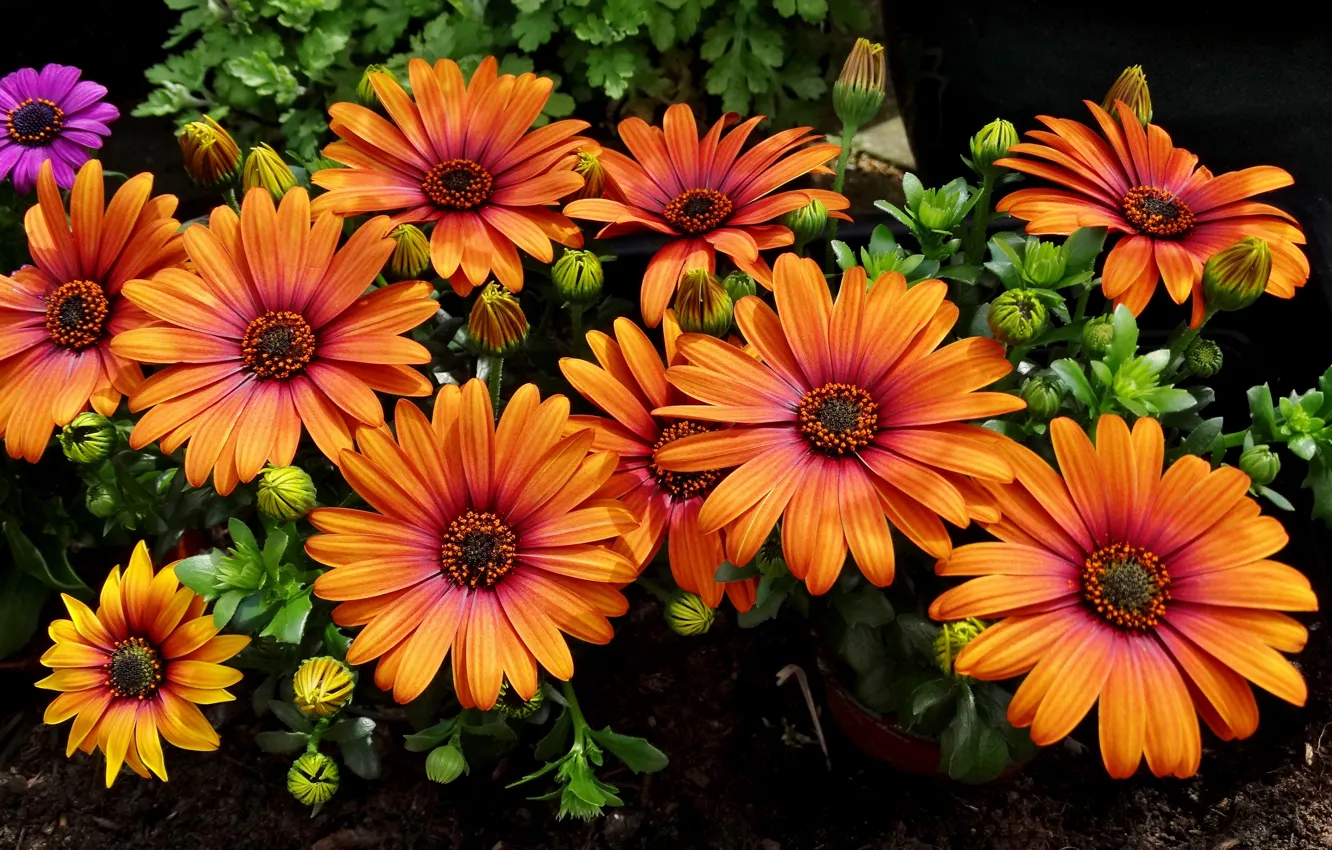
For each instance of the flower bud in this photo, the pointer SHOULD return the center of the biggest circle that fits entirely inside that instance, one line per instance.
(688, 615)
(702, 304)
(1261, 464)
(943, 208)
(859, 90)
(285, 493)
(1135, 378)
(445, 764)
(242, 569)
(210, 154)
(365, 92)
(1131, 88)
(1097, 335)
(952, 638)
(1234, 278)
(807, 222)
(1203, 357)
(411, 252)
(88, 438)
(322, 686)
(313, 779)
(264, 168)
(737, 285)
(496, 324)
(1044, 263)
(1043, 396)
(510, 704)
(578, 277)
(590, 169)
(991, 143)
(101, 501)
(1017, 316)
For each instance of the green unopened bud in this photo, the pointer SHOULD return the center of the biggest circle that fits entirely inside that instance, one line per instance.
(688, 615)
(578, 277)
(411, 252)
(496, 324)
(702, 304)
(1234, 278)
(1017, 316)
(101, 501)
(1044, 263)
(88, 438)
(1097, 335)
(313, 779)
(991, 143)
(322, 686)
(285, 493)
(571, 805)
(943, 208)
(445, 764)
(365, 92)
(1261, 464)
(242, 569)
(860, 88)
(952, 638)
(1043, 396)
(210, 154)
(265, 169)
(738, 284)
(807, 222)
(1131, 88)
(512, 704)
(1203, 357)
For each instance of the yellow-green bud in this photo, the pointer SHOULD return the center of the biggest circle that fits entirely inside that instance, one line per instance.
(807, 222)
(952, 638)
(1203, 357)
(210, 154)
(578, 277)
(1135, 378)
(1131, 88)
(1234, 278)
(365, 92)
(88, 438)
(313, 779)
(991, 143)
(285, 493)
(1043, 396)
(1097, 335)
(702, 304)
(688, 615)
(1018, 316)
(241, 570)
(1044, 263)
(411, 252)
(589, 167)
(738, 284)
(265, 169)
(101, 501)
(1261, 464)
(322, 686)
(445, 764)
(859, 90)
(496, 324)
(511, 704)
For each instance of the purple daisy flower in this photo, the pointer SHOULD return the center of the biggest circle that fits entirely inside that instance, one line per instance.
(50, 115)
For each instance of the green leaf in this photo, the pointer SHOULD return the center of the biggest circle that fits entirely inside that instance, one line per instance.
(1083, 246)
(225, 607)
(813, 11)
(21, 598)
(930, 695)
(1275, 498)
(288, 625)
(867, 605)
(1169, 400)
(959, 743)
(1303, 446)
(197, 573)
(290, 715)
(241, 534)
(282, 743)
(611, 69)
(726, 571)
(846, 258)
(761, 613)
(1319, 480)
(274, 546)
(349, 728)
(1200, 439)
(636, 753)
(335, 642)
(55, 573)
(361, 757)
(556, 740)
(1125, 341)
(427, 739)
(1075, 381)
(861, 648)
(1262, 413)
(534, 30)
(320, 49)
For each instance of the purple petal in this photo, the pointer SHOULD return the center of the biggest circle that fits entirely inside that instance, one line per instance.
(81, 137)
(84, 94)
(7, 99)
(103, 112)
(68, 156)
(87, 126)
(24, 175)
(57, 80)
(22, 83)
(9, 155)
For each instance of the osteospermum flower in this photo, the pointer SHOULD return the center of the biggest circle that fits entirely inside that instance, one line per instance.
(629, 383)
(1150, 593)
(1174, 213)
(138, 668)
(53, 117)
(57, 316)
(485, 541)
(273, 333)
(459, 155)
(851, 422)
(706, 194)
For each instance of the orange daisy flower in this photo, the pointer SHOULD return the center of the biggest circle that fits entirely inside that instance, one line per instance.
(57, 317)
(141, 665)
(272, 333)
(706, 194)
(1174, 213)
(1149, 592)
(850, 422)
(630, 382)
(486, 540)
(459, 155)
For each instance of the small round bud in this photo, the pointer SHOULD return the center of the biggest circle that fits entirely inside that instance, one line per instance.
(992, 143)
(496, 324)
(688, 615)
(445, 764)
(322, 686)
(411, 252)
(1043, 396)
(807, 222)
(365, 90)
(1261, 464)
(511, 704)
(285, 493)
(1131, 89)
(860, 88)
(1234, 278)
(313, 779)
(738, 284)
(952, 638)
(88, 438)
(578, 277)
(1097, 335)
(1203, 357)
(702, 304)
(1018, 316)
(101, 501)
(210, 154)
(1044, 263)
(265, 169)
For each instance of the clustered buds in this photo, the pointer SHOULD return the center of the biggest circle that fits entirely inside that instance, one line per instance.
(1234, 278)
(264, 168)
(860, 88)
(688, 615)
(702, 304)
(322, 686)
(211, 155)
(578, 277)
(1018, 316)
(1131, 90)
(992, 143)
(411, 252)
(285, 493)
(88, 438)
(496, 324)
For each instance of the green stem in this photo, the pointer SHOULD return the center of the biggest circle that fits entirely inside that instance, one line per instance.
(1081, 310)
(980, 219)
(576, 316)
(848, 135)
(230, 197)
(493, 377)
(575, 711)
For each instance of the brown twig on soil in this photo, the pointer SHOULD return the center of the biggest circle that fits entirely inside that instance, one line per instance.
(795, 670)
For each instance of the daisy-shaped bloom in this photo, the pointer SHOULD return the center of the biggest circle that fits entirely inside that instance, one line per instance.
(138, 668)
(1174, 214)
(57, 317)
(706, 194)
(630, 382)
(485, 540)
(852, 421)
(1150, 593)
(273, 333)
(459, 155)
(52, 117)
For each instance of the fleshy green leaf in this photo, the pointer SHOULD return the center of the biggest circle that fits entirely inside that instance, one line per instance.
(636, 753)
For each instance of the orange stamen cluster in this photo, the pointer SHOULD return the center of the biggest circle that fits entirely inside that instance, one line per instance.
(134, 670)
(34, 122)
(478, 549)
(838, 419)
(683, 485)
(1127, 585)
(698, 210)
(1157, 212)
(457, 184)
(278, 345)
(76, 314)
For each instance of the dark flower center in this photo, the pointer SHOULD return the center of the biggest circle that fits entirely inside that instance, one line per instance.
(278, 345)
(1127, 585)
(1156, 212)
(457, 184)
(35, 122)
(76, 314)
(838, 419)
(684, 485)
(135, 670)
(698, 210)
(478, 550)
